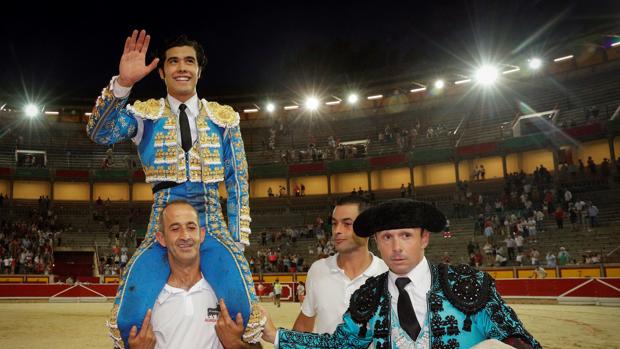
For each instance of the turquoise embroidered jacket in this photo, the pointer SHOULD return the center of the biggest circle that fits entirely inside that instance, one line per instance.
(464, 309)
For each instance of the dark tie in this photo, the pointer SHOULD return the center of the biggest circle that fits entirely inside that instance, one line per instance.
(406, 314)
(186, 132)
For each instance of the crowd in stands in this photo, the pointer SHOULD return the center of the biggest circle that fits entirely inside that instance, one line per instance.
(273, 260)
(512, 221)
(568, 169)
(26, 246)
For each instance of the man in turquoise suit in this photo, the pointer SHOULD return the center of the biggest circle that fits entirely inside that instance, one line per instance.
(187, 146)
(415, 304)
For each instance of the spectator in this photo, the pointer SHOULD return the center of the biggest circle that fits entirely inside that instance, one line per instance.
(591, 166)
(277, 292)
(563, 257)
(559, 217)
(551, 260)
(534, 256)
(511, 246)
(301, 291)
(605, 168)
(593, 214)
(572, 214)
(539, 273)
(500, 260)
(520, 259)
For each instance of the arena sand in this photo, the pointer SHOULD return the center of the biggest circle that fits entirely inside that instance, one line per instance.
(81, 325)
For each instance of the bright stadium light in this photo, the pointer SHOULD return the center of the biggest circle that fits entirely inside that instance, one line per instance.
(312, 103)
(353, 98)
(564, 58)
(511, 70)
(270, 107)
(439, 84)
(486, 75)
(31, 110)
(535, 63)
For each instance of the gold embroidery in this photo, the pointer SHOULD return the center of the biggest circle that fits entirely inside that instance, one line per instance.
(223, 115)
(152, 109)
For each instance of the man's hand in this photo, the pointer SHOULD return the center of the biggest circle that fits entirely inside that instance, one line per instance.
(146, 338)
(133, 62)
(270, 330)
(228, 331)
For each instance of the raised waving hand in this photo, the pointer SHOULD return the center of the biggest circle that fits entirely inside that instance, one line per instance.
(133, 61)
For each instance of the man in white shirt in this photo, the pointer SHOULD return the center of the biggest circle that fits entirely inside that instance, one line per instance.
(186, 311)
(331, 281)
(416, 304)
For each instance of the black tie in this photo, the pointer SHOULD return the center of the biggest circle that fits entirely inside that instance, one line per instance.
(406, 314)
(186, 133)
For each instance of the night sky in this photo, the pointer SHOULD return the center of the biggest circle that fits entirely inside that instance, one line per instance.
(66, 54)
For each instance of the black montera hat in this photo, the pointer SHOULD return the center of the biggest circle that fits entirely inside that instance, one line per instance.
(399, 213)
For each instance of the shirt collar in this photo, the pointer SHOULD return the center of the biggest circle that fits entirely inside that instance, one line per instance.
(420, 276)
(372, 270)
(192, 105)
(169, 291)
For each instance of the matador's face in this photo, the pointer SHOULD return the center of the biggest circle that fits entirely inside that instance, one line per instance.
(181, 72)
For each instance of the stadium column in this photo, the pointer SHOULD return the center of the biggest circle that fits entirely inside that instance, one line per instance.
(10, 193)
(288, 186)
(412, 179)
(91, 188)
(368, 175)
(556, 161)
(329, 185)
(52, 179)
(456, 172)
(612, 154)
(504, 166)
(130, 191)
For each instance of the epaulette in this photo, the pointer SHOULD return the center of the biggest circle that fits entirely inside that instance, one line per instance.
(152, 109)
(222, 115)
(466, 288)
(365, 301)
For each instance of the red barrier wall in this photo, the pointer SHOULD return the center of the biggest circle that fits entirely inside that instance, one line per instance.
(547, 288)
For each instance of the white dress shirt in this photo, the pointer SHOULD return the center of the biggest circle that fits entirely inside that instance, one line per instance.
(329, 289)
(186, 319)
(191, 111)
(417, 289)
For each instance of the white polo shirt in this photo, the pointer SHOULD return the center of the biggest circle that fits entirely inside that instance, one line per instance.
(328, 290)
(186, 319)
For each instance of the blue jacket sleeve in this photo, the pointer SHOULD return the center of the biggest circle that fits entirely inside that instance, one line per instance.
(110, 122)
(236, 180)
(500, 321)
(347, 336)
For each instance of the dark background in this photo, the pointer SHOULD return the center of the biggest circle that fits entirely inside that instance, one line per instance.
(65, 54)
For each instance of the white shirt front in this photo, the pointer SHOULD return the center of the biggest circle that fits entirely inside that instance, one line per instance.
(328, 290)
(417, 289)
(186, 319)
(191, 111)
